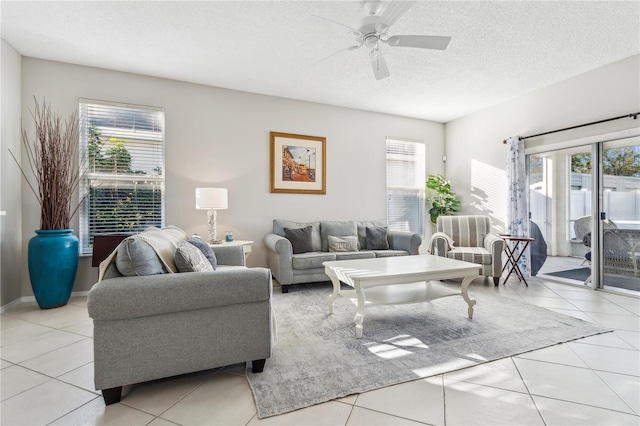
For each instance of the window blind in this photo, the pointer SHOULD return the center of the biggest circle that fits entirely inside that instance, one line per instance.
(405, 186)
(122, 154)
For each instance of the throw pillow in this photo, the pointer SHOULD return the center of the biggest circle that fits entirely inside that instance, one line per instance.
(336, 228)
(206, 249)
(376, 238)
(346, 243)
(300, 239)
(280, 224)
(189, 258)
(362, 228)
(135, 257)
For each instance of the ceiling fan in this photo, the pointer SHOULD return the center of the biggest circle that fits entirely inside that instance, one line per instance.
(374, 30)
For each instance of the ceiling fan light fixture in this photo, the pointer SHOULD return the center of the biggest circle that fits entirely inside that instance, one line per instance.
(371, 41)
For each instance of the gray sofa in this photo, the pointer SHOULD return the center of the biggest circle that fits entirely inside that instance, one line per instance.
(156, 326)
(289, 268)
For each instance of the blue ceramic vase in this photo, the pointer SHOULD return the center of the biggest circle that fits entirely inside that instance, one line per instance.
(53, 262)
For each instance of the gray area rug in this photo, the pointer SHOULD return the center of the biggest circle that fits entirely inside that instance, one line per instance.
(317, 357)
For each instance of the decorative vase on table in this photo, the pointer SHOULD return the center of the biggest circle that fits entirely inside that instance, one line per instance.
(53, 262)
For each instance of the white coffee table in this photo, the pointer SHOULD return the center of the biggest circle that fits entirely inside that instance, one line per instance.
(398, 280)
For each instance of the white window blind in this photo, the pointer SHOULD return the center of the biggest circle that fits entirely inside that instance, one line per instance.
(405, 186)
(122, 151)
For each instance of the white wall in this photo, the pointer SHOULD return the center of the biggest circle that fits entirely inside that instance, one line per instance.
(219, 137)
(10, 181)
(474, 148)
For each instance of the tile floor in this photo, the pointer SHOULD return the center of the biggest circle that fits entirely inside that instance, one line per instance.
(47, 377)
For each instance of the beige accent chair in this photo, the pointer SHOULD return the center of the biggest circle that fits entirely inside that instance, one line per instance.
(469, 238)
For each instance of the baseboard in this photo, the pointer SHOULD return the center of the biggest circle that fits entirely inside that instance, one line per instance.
(33, 299)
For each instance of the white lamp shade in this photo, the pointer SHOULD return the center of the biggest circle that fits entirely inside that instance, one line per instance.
(211, 199)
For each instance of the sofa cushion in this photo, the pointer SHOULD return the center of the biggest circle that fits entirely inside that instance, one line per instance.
(479, 255)
(351, 255)
(343, 244)
(376, 238)
(311, 260)
(390, 253)
(206, 249)
(189, 258)
(337, 229)
(362, 230)
(135, 257)
(279, 225)
(300, 239)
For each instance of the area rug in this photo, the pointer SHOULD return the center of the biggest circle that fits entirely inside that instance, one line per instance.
(581, 274)
(317, 358)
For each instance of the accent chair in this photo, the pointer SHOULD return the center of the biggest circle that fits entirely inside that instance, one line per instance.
(469, 238)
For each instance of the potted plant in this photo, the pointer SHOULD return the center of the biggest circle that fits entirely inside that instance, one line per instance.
(443, 201)
(53, 160)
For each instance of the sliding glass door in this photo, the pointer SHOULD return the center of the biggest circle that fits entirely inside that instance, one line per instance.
(620, 220)
(585, 211)
(560, 198)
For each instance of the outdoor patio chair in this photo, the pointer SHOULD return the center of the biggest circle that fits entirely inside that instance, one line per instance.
(582, 228)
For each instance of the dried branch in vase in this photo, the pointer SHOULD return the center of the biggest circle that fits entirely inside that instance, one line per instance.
(53, 159)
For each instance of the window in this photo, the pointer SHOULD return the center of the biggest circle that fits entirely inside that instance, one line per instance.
(405, 186)
(122, 150)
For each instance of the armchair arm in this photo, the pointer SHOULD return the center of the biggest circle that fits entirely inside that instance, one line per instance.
(280, 258)
(408, 241)
(229, 255)
(495, 245)
(440, 244)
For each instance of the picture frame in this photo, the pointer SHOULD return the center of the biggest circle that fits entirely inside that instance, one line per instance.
(298, 164)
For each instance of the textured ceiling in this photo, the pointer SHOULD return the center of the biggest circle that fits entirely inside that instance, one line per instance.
(498, 50)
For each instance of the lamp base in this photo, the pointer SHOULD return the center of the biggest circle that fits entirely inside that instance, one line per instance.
(212, 235)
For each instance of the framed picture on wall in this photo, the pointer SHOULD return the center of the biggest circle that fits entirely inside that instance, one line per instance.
(298, 164)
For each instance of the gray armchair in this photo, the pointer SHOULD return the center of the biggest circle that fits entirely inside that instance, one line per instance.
(468, 238)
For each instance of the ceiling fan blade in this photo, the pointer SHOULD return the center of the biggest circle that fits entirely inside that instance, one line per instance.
(419, 41)
(332, 23)
(350, 48)
(394, 11)
(379, 65)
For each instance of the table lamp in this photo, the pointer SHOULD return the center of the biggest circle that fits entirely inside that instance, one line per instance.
(212, 200)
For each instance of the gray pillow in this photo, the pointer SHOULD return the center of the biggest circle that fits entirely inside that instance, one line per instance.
(206, 249)
(300, 239)
(337, 229)
(346, 243)
(279, 225)
(136, 257)
(189, 258)
(362, 227)
(376, 238)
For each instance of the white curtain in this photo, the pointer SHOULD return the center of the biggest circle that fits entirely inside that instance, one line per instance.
(518, 209)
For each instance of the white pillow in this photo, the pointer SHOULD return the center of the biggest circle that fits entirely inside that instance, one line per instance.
(189, 258)
(346, 243)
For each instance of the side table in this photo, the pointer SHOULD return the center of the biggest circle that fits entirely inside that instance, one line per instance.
(515, 247)
(246, 247)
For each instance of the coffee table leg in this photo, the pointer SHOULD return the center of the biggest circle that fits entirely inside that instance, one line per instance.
(336, 291)
(359, 309)
(465, 296)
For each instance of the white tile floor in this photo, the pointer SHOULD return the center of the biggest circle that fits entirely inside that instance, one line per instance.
(47, 377)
